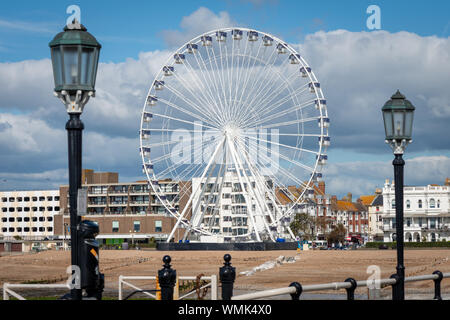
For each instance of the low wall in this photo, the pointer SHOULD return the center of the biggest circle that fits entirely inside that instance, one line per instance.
(248, 246)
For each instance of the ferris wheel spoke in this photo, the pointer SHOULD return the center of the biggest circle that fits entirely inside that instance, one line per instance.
(181, 120)
(221, 85)
(268, 108)
(193, 115)
(266, 92)
(239, 71)
(263, 80)
(286, 123)
(284, 145)
(211, 102)
(188, 102)
(241, 109)
(283, 113)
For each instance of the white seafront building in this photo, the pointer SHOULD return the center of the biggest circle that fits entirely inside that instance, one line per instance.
(426, 212)
(28, 215)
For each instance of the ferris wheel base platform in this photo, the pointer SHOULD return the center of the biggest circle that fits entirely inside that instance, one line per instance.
(236, 246)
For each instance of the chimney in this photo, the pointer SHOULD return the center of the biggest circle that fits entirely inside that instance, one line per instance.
(447, 181)
(349, 197)
(378, 191)
(322, 186)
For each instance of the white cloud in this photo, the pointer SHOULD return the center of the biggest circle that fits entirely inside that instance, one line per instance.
(358, 72)
(200, 21)
(363, 177)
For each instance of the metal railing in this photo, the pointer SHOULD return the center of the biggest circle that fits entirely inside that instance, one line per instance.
(295, 289)
(7, 289)
(212, 284)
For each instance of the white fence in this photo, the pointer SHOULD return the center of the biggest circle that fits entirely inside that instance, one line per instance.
(212, 285)
(7, 289)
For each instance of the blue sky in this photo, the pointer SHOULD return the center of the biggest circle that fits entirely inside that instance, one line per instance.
(359, 70)
(129, 29)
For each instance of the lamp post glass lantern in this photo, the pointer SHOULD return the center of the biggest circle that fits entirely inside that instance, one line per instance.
(75, 54)
(398, 114)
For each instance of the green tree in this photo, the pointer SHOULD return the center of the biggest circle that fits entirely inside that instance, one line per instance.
(303, 224)
(337, 234)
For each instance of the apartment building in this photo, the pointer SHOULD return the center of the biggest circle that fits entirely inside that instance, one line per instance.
(426, 212)
(374, 205)
(353, 216)
(28, 215)
(125, 212)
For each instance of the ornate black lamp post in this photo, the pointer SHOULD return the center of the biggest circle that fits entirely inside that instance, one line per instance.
(398, 116)
(75, 54)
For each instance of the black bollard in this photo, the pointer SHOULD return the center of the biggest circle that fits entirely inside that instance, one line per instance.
(167, 278)
(437, 285)
(351, 290)
(227, 275)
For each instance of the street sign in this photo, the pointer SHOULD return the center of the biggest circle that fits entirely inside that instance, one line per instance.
(82, 202)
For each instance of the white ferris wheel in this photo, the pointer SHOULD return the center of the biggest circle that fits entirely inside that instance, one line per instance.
(234, 133)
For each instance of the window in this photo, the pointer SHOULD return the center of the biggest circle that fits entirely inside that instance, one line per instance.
(408, 204)
(137, 226)
(115, 226)
(19, 209)
(419, 204)
(26, 199)
(34, 219)
(439, 203)
(11, 219)
(4, 209)
(49, 208)
(11, 199)
(408, 222)
(41, 208)
(50, 229)
(41, 198)
(41, 219)
(4, 199)
(26, 209)
(19, 229)
(34, 198)
(41, 229)
(19, 219)
(26, 219)
(4, 219)
(11, 209)
(4, 229)
(393, 204)
(432, 204)
(19, 199)
(34, 209)
(49, 218)
(49, 198)
(56, 198)
(158, 226)
(34, 229)
(11, 229)
(56, 208)
(26, 229)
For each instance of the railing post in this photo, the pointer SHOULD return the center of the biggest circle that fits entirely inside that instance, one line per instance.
(437, 285)
(120, 287)
(5, 291)
(351, 290)
(167, 278)
(213, 287)
(298, 292)
(227, 275)
(396, 287)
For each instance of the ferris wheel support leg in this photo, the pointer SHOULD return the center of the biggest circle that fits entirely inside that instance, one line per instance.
(262, 191)
(249, 205)
(192, 196)
(194, 212)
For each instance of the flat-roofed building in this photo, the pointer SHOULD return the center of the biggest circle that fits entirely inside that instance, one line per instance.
(28, 215)
(124, 211)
